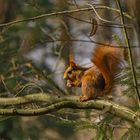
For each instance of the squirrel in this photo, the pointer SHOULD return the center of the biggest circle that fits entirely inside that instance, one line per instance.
(98, 80)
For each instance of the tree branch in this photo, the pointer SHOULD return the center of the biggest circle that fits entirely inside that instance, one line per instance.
(34, 98)
(71, 102)
(130, 54)
(61, 13)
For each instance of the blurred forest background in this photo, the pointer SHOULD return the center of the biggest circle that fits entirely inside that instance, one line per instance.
(35, 41)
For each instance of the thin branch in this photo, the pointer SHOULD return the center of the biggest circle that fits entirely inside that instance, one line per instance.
(115, 10)
(118, 110)
(102, 25)
(5, 86)
(61, 13)
(99, 17)
(130, 53)
(87, 41)
(29, 85)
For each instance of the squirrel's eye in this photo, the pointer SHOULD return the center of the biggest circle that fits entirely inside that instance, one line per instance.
(70, 72)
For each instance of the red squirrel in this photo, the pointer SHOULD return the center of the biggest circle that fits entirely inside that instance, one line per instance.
(98, 80)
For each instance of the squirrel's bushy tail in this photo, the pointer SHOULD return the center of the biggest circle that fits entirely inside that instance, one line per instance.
(108, 60)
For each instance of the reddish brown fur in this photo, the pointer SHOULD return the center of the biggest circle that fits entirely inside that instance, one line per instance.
(98, 80)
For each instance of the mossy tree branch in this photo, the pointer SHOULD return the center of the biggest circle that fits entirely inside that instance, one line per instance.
(55, 103)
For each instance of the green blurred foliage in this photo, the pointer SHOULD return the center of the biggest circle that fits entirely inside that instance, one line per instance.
(15, 42)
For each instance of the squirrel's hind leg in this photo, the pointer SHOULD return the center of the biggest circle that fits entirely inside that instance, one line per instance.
(87, 89)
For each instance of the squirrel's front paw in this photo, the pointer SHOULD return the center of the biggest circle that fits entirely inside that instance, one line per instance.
(83, 98)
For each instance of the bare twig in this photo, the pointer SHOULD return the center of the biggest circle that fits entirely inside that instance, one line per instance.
(28, 85)
(88, 41)
(61, 13)
(5, 86)
(98, 16)
(102, 25)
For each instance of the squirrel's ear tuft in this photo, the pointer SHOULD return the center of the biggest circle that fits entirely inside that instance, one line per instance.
(71, 60)
(72, 63)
